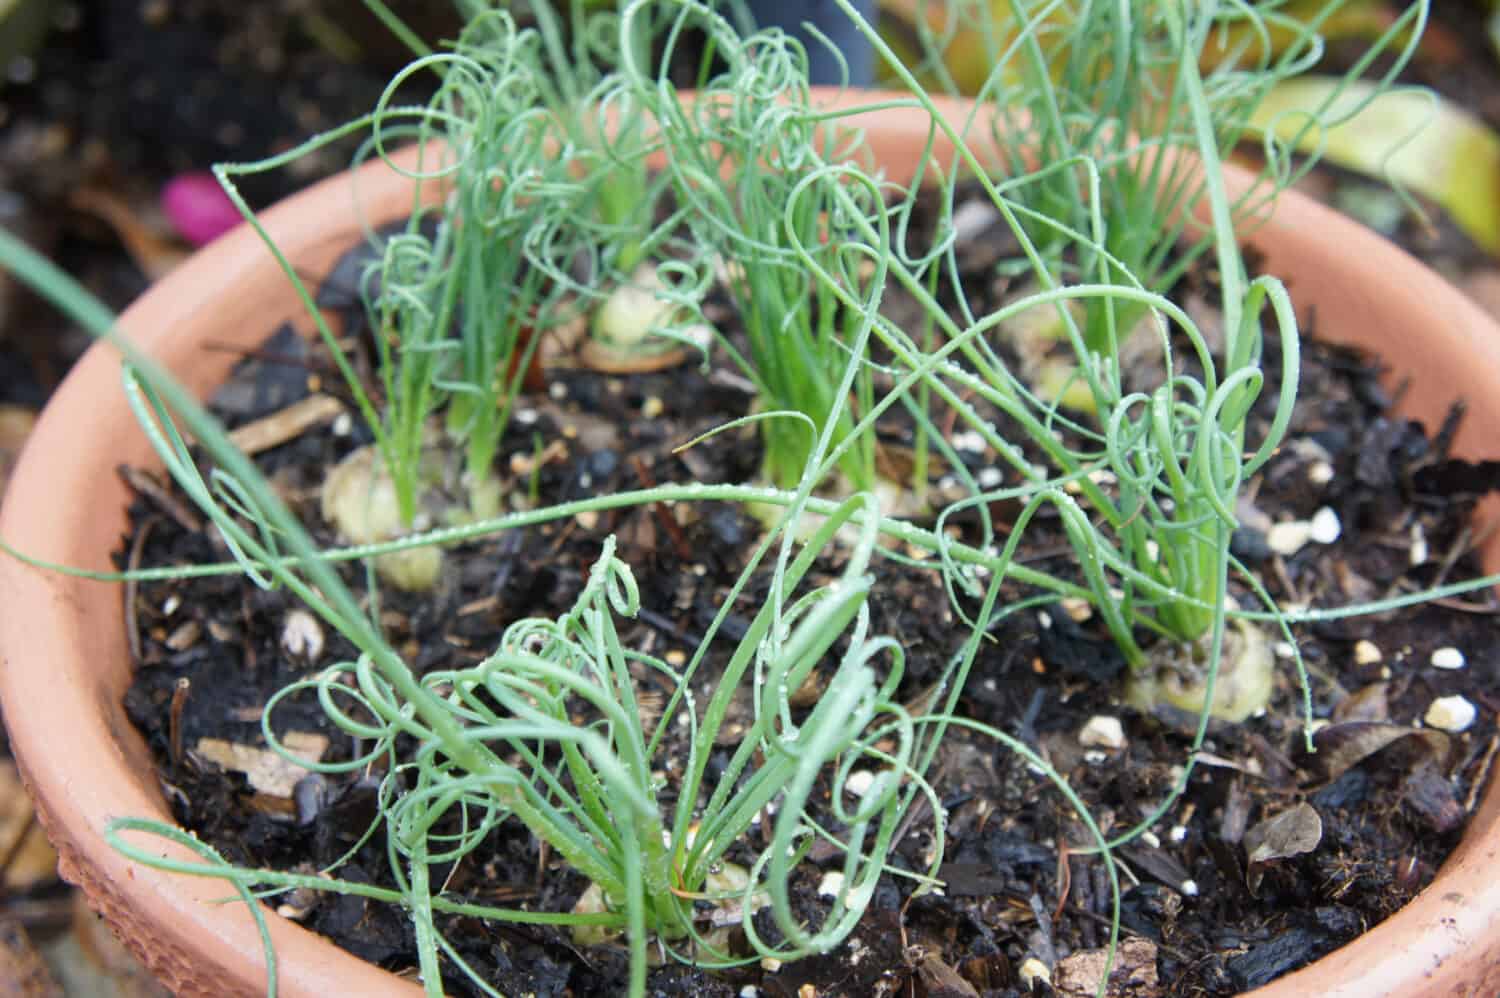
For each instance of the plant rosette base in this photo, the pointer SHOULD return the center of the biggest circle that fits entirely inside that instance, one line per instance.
(1174, 673)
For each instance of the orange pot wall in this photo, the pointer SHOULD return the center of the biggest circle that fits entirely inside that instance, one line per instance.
(66, 666)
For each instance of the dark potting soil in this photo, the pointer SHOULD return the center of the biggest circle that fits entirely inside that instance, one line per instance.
(1198, 915)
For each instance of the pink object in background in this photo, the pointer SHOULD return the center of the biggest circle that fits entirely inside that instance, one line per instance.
(198, 208)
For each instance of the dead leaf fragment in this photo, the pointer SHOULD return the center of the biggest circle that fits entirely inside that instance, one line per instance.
(1133, 974)
(1370, 703)
(15, 426)
(31, 860)
(938, 980)
(23, 970)
(1340, 747)
(266, 771)
(1293, 832)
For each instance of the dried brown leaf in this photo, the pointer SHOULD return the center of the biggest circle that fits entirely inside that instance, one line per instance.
(1293, 832)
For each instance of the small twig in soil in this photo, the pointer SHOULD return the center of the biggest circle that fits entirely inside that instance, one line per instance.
(1278, 566)
(286, 424)
(1463, 606)
(132, 564)
(1099, 919)
(950, 418)
(663, 515)
(543, 853)
(1064, 881)
(1482, 778)
(180, 692)
(664, 624)
(1442, 441)
(921, 809)
(145, 484)
(1459, 547)
(247, 647)
(562, 538)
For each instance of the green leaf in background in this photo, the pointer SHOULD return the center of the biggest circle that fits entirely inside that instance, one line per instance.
(1413, 139)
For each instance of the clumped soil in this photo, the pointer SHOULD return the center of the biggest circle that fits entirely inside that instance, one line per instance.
(1392, 796)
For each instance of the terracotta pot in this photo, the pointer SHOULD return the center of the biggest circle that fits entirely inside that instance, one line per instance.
(66, 665)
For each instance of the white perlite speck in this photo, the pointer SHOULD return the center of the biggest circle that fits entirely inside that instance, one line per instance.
(1077, 608)
(1447, 657)
(1366, 652)
(302, 636)
(1033, 970)
(832, 884)
(1102, 731)
(1286, 539)
(989, 478)
(859, 782)
(1324, 526)
(1419, 552)
(968, 440)
(1320, 472)
(1453, 714)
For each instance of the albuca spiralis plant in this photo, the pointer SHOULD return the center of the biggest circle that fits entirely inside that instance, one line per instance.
(735, 158)
(519, 224)
(548, 731)
(502, 741)
(1101, 80)
(1112, 135)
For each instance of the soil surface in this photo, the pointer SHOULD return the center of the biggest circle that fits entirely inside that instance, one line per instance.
(1215, 899)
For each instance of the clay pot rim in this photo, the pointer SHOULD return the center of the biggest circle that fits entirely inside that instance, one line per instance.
(58, 628)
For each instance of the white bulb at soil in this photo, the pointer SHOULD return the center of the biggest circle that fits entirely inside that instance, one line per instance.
(624, 324)
(1175, 674)
(1452, 714)
(359, 500)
